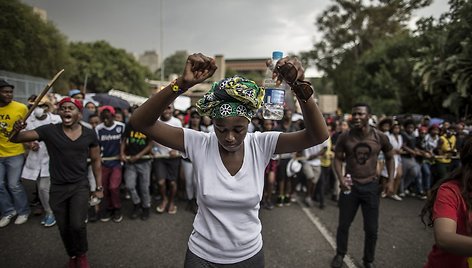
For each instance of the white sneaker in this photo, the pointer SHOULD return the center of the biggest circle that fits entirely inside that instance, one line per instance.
(21, 219)
(396, 197)
(383, 194)
(6, 220)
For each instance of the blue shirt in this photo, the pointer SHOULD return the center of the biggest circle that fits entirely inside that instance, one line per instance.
(109, 139)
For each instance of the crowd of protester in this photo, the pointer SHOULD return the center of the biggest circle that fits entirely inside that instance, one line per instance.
(153, 176)
(136, 168)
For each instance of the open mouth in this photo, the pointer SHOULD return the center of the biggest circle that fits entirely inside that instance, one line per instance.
(67, 118)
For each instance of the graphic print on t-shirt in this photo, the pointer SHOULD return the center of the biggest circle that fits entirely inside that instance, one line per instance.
(362, 152)
(110, 139)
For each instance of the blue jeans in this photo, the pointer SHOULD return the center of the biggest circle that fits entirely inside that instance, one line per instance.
(139, 174)
(13, 196)
(426, 175)
(411, 174)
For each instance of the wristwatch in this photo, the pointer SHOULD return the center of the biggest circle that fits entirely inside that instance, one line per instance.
(99, 189)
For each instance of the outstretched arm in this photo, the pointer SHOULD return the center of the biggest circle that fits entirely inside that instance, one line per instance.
(197, 69)
(315, 131)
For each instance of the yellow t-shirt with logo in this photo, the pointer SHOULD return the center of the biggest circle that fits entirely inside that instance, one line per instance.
(448, 144)
(9, 114)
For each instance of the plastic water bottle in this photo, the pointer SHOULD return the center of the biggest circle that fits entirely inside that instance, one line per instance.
(348, 183)
(274, 98)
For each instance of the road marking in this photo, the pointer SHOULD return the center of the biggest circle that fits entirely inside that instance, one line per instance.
(326, 234)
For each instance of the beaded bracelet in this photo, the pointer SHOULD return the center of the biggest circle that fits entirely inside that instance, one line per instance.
(175, 87)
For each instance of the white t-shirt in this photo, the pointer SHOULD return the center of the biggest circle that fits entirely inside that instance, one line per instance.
(37, 163)
(227, 228)
(175, 122)
(396, 144)
(315, 162)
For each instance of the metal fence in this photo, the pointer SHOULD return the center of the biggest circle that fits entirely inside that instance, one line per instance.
(25, 85)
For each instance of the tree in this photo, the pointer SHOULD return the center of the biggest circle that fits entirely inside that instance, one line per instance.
(29, 44)
(350, 29)
(445, 61)
(107, 68)
(174, 64)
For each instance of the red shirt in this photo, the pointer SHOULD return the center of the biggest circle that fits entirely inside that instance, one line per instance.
(449, 204)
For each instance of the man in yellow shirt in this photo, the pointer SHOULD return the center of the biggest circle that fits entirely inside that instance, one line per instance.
(13, 198)
(446, 150)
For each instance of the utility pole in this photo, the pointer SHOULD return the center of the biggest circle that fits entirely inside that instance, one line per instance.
(161, 33)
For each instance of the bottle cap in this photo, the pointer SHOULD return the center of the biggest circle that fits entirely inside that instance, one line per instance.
(277, 55)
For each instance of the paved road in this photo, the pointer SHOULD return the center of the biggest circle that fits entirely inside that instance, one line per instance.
(291, 239)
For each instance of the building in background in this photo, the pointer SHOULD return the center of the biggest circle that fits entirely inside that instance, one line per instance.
(247, 67)
(150, 59)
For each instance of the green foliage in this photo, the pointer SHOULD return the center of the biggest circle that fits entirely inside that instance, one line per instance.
(352, 29)
(368, 54)
(29, 44)
(384, 75)
(36, 47)
(107, 68)
(444, 64)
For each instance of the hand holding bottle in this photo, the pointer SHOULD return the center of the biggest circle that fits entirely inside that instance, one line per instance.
(347, 182)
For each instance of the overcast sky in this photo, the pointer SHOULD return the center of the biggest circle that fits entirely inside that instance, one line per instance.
(233, 28)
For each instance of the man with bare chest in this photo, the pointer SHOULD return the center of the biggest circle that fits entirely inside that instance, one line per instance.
(359, 149)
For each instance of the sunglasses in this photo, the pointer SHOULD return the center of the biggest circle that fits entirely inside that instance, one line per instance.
(289, 73)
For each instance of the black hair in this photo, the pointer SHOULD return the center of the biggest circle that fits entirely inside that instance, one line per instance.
(408, 122)
(363, 105)
(385, 121)
(194, 113)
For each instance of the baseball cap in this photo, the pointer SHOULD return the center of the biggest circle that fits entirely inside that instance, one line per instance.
(293, 167)
(107, 107)
(74, 92)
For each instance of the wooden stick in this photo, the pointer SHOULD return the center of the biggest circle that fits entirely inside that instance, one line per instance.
(147, 156)
(37, 100)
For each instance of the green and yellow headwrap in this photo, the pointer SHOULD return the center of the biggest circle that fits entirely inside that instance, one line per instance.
(235, 96)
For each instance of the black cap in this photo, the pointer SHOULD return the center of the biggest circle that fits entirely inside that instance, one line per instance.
(4, 83)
